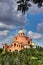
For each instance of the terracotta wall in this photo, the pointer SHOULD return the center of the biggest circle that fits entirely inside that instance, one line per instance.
(18, 43)
(22, 39)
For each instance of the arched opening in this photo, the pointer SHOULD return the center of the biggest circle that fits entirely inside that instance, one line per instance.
(16, 38)
(17, 45)
(14, 44)
(28, 42)
(3, 47)
(21, 46)
(11, 44)
(10, 50)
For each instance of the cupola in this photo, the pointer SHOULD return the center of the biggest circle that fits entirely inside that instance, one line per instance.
(21, 32)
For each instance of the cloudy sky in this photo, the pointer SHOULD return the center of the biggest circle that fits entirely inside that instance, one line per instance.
(12, 20)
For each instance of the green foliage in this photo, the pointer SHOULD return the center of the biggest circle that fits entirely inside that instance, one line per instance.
(39, 2)
(1, 50)
(24, 5)
(32, 56)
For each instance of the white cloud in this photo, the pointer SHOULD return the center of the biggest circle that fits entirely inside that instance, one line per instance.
(9, 14)
(34, 35)
(40, 27)
(19, 14)
(3, 25)
(34, 9)
(4, 33)
(11, 17)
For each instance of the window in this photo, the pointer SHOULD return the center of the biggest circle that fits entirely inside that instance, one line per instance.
(10, 50)
(17, 45)
(21, 34)
(16, 38)
(14, 44)
(11, 44)
(28, 42)
(3, 47)
(21, 46)
(26, 38)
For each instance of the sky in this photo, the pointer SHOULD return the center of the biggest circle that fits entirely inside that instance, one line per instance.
(12, 20)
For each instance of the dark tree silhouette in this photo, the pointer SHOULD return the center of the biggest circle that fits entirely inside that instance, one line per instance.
(23, 5)
(39, 2)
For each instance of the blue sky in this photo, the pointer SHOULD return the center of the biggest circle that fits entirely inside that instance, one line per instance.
(11, 21)
(36, 26)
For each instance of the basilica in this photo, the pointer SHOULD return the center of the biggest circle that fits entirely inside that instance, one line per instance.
(20, 42)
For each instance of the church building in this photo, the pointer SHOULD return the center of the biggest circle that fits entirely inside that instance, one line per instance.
(20, 42)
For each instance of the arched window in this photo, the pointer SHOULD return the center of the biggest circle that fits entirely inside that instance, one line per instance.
(16, 38)
(26, 38)
(14, 44)
(10, 50)
(17, 45)
(11, 44)
(21, 46)
(28, 42)
(3, 47)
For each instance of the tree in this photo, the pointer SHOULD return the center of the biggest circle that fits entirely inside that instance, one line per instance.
(23, 5)
(39, 2)
(1, 50)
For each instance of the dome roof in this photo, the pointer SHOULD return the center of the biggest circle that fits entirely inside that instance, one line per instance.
(21, 31)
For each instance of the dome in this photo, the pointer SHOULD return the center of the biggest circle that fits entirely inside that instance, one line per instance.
(21, 31)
